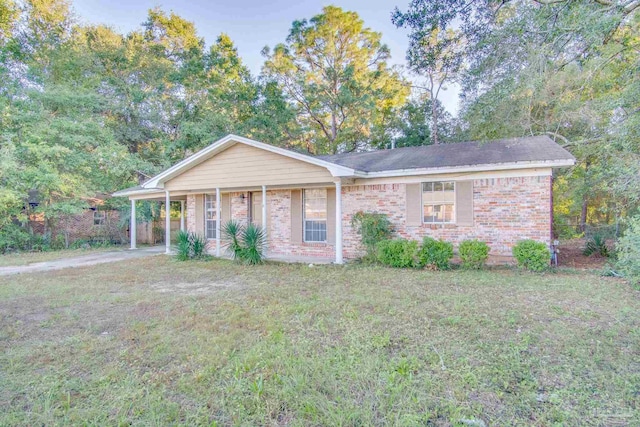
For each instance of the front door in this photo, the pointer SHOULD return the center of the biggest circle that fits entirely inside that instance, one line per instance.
(255, 211)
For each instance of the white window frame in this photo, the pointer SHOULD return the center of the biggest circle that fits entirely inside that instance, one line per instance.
(210, 198)
(304, 216)
(422, 202)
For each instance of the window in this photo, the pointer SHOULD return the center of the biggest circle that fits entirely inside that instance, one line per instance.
(210, 216)
(99, 217)
(315, 215)
(438, 202)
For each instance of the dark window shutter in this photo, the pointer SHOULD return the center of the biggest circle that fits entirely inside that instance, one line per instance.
(199, 214)
(296, 216)
(413, 214)
(331, 216)
(225, 199)
(464, 203)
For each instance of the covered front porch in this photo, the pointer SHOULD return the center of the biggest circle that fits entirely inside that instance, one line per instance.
(300, 223)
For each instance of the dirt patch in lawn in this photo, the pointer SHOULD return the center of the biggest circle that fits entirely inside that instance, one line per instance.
(571, 256)
(197, 288)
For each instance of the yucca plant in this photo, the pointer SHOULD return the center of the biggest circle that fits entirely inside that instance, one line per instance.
(596, 244)
(244, 243)
(184, 246)
(232, 231)
(252, 244)
(198, 245)
(190, 246)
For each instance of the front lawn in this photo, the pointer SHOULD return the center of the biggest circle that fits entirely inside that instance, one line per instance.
(154, 342)
(26, 258)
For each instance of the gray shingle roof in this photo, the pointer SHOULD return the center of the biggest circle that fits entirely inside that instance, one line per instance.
(528, 149)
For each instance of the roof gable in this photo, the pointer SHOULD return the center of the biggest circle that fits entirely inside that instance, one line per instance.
(230, 140)
(245, 166)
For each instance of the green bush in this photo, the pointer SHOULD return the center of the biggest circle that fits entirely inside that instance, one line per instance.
(15, 238)
(399, 253)
(435, 254)
(246, 244)
(532, 255)
(190, 246)
(373, 228)
(473, 254)
(628, 251)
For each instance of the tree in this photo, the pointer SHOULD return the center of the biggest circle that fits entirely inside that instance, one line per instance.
(435, 52)
(563, 69)
(334, 71)
(414, 123)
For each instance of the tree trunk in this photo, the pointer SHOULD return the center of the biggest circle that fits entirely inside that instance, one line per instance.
(434, 121)
(583, 214)
(585, 197)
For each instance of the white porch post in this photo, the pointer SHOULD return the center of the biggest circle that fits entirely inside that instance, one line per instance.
(182, 215)
(167, 222)
(132, 225)
(264, 215)
(338, 221)
(218, 210)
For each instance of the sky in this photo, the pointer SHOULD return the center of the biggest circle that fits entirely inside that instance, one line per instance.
(254, 24)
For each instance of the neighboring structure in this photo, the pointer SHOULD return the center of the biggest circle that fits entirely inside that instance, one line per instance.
(96, 222)
(498, 192)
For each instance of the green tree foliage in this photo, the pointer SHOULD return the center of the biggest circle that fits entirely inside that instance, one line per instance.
(334, 71)
(86, 110)
(435, 53)
(566, 69)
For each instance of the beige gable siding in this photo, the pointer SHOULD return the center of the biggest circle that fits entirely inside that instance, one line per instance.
(245, 166)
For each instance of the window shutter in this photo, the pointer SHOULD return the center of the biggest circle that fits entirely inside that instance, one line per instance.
(331, 216)
(225, 209)
(296, 216)
(199, 214)
(464, 203)
(413, 214)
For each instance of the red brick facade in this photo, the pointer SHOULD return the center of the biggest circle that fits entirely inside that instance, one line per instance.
(506, 210)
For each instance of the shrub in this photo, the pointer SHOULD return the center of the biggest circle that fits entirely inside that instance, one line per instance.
(399, 253)
(373, 228)
(245, 243)
(190, 246)
(15, 238)
(532, 255)
(435, 254)
(596, 244)
(473, 254)
(628, 251)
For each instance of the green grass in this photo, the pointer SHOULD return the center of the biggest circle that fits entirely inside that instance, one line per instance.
(154, 341)
(26, 258)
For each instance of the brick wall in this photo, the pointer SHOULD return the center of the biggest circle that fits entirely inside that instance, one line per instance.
(81, 226)
(279, 230)
(505, 210)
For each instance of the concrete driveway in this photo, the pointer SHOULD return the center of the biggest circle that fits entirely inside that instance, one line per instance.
(83, 260)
